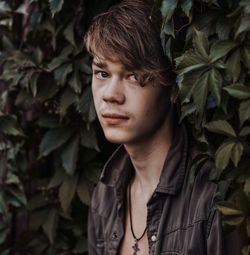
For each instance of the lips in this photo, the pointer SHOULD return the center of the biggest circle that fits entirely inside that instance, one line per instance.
(114, 118)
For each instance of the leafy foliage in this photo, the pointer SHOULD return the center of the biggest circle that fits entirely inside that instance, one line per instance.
(210, 49)
(50, 157)
(48, 143)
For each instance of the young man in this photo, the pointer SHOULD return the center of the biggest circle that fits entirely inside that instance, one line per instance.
(144, 202)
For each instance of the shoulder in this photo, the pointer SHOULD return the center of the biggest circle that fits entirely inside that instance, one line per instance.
(202, 189)
(103, 199)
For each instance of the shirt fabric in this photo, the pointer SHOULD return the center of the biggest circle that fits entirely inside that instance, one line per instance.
(181, 219)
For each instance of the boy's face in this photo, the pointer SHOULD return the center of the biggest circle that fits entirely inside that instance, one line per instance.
(128, 112)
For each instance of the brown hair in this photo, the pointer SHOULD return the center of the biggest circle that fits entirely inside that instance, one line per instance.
(129, 33)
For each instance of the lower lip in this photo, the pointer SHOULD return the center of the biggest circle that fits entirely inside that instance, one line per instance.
(114, 121)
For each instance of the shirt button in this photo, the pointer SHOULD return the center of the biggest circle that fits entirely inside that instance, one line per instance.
(114, 236)
(153, 238)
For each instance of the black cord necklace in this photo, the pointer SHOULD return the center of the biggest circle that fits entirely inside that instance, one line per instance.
(135, 247)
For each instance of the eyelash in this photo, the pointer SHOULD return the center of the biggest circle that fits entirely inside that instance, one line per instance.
(97, 72)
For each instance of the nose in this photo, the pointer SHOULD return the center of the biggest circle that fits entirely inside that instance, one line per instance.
(114, 92)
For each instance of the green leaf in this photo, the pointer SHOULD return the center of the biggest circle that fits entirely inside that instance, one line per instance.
(238, 91)
(56, 62)
(33, 84)
(167, 9)
(245, 131)
(57, 178)
(221, 127)
(244, 25)
(200, 43)
(69, 32)
(68, 98)
(49, 121)
(83, 190)
(229, 209)
(4, 7)
(86, 105)
(220, 49)
(186, 7)
(69, 155)
(200, 94)
(215, 83)
(67, 191)
(10, 126)
(223, 155)
(245, 53)
(53, 139)
(247, 187)
(188, 62)
(244, 111)
(233, 65)
(237, 153)
(55, 6)
(75, 82)
(62, 72)
(50, 225)
(89, 139)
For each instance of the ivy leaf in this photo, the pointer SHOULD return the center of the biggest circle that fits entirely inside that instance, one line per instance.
(215, 83)
(229, 208)
(200, 94)
(68, 98)
(233, 65)
(244, 26)
(238, 90)
(70, 154)
(55, 6)
(221, 127)
(53, 139)
(10, 126)
(247, 187)
(89, 139)
(244, 111)
(200, 43)
(75, 82)
(57, 178)
(220, 49)
(245, 131)
(245, 53)
(83, 190)
(223, 154)
(186, 7)
(69, 33)
(62, 72)
(50, 225)
(167, 9)
(188, 62)
(236, 153)
(67, 191)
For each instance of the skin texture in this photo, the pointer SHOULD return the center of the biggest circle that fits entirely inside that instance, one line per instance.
(139, 118)
(117, 92)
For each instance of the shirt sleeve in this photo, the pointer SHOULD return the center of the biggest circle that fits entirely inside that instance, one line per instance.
(218, 242)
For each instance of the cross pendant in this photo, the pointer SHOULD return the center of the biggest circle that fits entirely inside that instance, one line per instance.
(135, 247)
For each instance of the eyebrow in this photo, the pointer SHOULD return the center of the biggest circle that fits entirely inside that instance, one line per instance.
(100, 64)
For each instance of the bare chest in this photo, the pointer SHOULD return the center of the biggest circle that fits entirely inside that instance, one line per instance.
(135, 241)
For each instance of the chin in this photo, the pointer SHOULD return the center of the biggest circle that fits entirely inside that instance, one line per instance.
(115, 137)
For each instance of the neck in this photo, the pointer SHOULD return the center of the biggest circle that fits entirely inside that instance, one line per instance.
(148, 158)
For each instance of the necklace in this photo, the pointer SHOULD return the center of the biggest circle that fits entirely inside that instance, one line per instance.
(135, 247)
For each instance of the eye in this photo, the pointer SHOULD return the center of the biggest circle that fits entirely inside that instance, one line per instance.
(101, 74)
(133, 77)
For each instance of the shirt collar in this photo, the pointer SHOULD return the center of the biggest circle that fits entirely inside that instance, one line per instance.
(118, 168)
